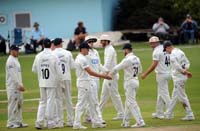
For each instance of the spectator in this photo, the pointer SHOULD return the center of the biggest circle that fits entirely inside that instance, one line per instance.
(161, 29)
(37, 36)
(2, 44)
(79, 34)
(188, 29)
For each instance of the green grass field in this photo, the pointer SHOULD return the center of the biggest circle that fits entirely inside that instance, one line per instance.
(146, 96)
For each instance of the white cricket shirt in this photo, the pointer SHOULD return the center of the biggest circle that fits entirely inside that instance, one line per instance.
(81, 63)
(163, 59)
(110, 59)
(131, 65)
(47, 66)
(178, 62)
(66, 61)
(13, 73)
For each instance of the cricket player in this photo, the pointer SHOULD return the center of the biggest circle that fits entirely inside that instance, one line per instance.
(14, 88)
(64, 85)
(83, 72)
(110, 87)
(161, 64)
(180, 65)
(132, 68)
(48, 68)
(95, 64)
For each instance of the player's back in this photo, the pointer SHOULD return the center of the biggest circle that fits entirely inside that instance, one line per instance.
(66, 61)
(133, 67)
(46, 68)
(163, 59)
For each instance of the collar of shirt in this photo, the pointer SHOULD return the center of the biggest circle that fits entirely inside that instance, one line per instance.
(13, 57)
(129, 54)
(108, 45)
(58, 49)
(47, 49)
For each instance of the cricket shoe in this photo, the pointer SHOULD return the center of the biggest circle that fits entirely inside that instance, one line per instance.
(60, 124)
(69, 124)
(169, 116)
(188, 118)
(103, 122)
(22, 125)
(38, 125)
(98, 125)
(158, 116)
(51, 126)
(12, 126)
(138, 125)
(79, 127)
(125, 124)
(88, 120)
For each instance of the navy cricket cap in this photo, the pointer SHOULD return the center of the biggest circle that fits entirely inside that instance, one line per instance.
(127, 46)
(46, 42)
(14, 47)
(57, 41)
(166, 44)
(84, 45)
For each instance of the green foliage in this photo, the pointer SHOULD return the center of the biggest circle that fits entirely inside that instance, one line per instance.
(133, 14)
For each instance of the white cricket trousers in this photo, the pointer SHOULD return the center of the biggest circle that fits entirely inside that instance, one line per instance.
(110, 89)
(131, 106)
(84, 97)
(46, 105)
(68, 101)
(163, 97)
(94, 90)
(15, 102)
(63, 95)
(179, 94)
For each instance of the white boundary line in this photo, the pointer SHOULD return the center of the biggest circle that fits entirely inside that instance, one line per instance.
(2, 90)
(33, 99)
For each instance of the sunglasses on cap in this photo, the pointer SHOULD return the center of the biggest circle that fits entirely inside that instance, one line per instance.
(91, 41)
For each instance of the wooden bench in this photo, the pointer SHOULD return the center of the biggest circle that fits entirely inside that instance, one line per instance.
(137, 34)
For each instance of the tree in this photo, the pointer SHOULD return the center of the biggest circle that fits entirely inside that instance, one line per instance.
(133, 14)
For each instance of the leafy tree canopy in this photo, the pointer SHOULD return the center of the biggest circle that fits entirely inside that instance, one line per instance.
(134, 14)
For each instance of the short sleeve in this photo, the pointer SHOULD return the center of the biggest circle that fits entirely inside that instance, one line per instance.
(156, 55)
(84, 63)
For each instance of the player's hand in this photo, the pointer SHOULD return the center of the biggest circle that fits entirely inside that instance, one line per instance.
(189, 75)
(108, 77)
(143, 76)
(21, 88)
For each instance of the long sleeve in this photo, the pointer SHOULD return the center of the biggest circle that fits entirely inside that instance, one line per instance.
(34, 66)
(155, 27)
(72, 63)
(166, 26)
(175, 65)
(118, 67)
(140, 66)
(58, 68)
(185, 62)
(13, 73)
(108, 61)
